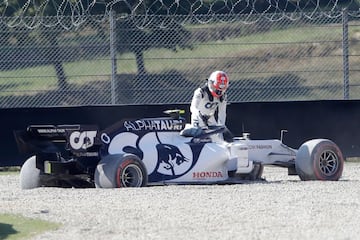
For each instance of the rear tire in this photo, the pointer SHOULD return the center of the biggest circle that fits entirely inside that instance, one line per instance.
(319, 159)
(29, 174)
(120, 170)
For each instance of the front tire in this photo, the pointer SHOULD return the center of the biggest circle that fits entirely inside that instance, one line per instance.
(319, 159)
(120, 170)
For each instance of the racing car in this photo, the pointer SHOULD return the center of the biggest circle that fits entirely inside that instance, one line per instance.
(160, 151)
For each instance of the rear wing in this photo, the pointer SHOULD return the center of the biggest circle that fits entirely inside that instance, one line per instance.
(57, 138)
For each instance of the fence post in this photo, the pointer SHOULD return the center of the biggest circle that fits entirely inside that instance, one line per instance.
(345, 47)
(113, 56)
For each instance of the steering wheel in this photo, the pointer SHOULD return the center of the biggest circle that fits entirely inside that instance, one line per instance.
(211, 130)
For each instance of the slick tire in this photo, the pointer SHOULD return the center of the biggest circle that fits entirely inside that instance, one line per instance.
(120, 170)
(319, 159)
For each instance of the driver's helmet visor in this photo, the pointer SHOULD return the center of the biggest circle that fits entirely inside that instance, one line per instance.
(218, 91)
(219, 87)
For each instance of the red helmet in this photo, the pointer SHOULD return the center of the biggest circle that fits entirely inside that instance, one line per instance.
(218, 82)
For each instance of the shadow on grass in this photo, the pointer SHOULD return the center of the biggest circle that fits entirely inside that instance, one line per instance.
(128, 89)
(170, 86)
(6, 230)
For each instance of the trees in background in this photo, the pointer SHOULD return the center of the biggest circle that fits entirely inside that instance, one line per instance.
(130, 38)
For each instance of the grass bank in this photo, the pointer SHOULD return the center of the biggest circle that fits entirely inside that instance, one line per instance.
(14, 227)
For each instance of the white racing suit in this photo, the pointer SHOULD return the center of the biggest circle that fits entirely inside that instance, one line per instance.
(207, 110)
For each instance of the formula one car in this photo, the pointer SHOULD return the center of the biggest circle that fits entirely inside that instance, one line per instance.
(160, 151)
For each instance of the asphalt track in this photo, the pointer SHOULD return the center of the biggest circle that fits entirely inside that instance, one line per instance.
(282, 207)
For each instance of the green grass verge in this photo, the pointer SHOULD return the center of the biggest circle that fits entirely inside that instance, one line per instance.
(8, 173)
(9, 170)
(17, 227)
(32, 79)
(318, 70)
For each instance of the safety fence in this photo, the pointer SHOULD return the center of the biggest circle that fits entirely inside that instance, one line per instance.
(162, 59)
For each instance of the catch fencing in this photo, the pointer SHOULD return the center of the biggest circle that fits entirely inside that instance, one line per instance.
(162, 59)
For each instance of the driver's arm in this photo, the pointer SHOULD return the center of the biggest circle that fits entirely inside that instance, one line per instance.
(195, 107)
(195, 102)
(222, 112)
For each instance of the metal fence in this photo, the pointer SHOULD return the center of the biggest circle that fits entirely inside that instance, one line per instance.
(121, 60)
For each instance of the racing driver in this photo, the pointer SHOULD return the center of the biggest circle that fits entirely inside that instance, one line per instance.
(208, 105)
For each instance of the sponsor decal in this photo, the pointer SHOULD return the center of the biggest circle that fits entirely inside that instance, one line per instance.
(211, 105)
(86, 154)
(207, 175)
(82, 140)
(50, 130)
(201, 140)
(163, 161)
(152, 125)
(259, 147)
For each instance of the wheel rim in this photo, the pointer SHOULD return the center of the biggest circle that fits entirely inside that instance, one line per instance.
(131, 176)
(328, 163)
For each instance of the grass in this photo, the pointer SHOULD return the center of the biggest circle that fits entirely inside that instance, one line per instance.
(13, 227)
(28, 81)
(8, 173)
(9, 170)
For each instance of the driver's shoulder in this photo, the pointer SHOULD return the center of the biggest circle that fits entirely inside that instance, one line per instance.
(199, 92)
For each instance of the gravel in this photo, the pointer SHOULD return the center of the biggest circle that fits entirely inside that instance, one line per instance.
(283, 207)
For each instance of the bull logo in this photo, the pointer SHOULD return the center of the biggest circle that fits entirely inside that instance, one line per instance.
(170, 159)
